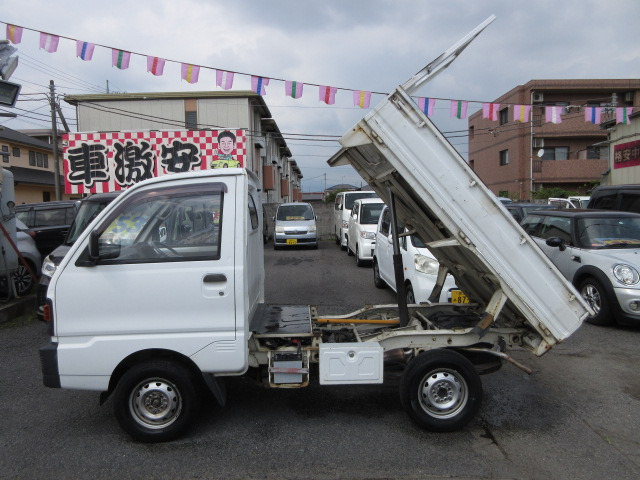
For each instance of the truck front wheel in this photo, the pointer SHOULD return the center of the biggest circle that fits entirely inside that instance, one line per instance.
(156, 401)
(441, 390)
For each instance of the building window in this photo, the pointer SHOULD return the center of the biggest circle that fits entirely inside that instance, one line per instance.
(39, 159)
(45, 163)
(555, 153)
(32, 159)
(504, 157)
(191, 120)
(504, 116)
(5, 158)
(16, 152)
(472, 131)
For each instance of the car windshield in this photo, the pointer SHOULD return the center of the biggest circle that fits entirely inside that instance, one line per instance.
(294, 212)
(371, 213)
(610, 232)
(87, 212)
(352, 197)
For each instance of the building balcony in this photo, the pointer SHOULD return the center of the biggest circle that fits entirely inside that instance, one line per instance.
(568, 171)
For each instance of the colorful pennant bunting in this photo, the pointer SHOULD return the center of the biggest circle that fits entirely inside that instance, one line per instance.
(552, 114)
(361, 98)
(293, 89)
(49, 42)
(224, 79)
(427, 105)
(190, 73)
(459, 108)
(155, 65)
(592, 114)
(120, 58)
(327, 94)
(14, 34)
(490, 111)
(521, 113)
(622, 115)
(84, 50)
(258, 84)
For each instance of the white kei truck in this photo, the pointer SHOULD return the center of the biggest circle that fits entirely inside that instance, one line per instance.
(162, 296)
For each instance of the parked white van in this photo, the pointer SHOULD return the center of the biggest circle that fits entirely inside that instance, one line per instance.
(361, 234)
(420, 266)
(342, 210)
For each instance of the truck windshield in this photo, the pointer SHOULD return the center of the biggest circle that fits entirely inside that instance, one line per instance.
(371, 213)
(611, 232)
(294, 212)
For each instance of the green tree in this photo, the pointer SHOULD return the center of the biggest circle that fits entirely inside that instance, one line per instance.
(331, 197)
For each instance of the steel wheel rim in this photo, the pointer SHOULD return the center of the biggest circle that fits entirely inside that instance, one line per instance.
(155, 403)
(410, 297)
(22, 279)
(443, 393)
(592, 296)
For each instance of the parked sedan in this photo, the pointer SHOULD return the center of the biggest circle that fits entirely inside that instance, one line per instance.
(361, 233)
(599, 252)
(520, 210)
(23, 278)
(295, 225)
(420, 266)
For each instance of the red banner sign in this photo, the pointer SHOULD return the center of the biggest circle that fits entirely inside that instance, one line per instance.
(626, 155)
(105, 162)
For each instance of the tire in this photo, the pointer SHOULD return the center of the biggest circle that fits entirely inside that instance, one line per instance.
(174, 392)
(359, 261)
(441, 390)
(337, 238)
(349, 252)
(23, 280)
(596, 296)
(411, 298)
(377, 280)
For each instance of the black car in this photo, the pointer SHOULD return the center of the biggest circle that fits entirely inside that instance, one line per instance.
(48, 221)
(89, 208)
(521, 210)
(623, 198)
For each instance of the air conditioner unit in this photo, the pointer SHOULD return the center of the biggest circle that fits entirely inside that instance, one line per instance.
(628, 97)
(538, 142)
(538, 97)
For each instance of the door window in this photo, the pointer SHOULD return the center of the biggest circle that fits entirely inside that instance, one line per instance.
(167, 225)
(556, 227)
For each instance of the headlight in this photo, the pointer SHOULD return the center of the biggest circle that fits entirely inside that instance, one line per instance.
(425, 264)
(311, 229)
(280, 229)
(626, 274)
(368, 235)
(48, 267)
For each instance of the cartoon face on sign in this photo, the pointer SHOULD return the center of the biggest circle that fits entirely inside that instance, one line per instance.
(226, 146)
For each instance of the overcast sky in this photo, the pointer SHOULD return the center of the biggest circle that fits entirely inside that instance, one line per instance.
(370, 45)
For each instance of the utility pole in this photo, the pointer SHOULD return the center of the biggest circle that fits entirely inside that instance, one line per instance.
(54, 131)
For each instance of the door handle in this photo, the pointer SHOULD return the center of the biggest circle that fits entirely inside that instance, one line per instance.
(214, 278)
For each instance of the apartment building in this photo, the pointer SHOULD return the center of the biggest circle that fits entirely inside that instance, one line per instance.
(267, 153)
(516, 159)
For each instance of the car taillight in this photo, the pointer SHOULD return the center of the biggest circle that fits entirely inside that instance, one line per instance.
(47, 316)
(32, 235)
(46, 313)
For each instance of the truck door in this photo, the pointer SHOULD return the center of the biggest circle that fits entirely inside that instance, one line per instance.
(165, 273)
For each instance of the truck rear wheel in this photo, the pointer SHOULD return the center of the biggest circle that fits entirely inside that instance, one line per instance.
(441, 390)
(156, 401)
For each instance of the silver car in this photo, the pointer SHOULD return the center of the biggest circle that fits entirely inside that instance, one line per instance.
(23, 278)
(295, 225)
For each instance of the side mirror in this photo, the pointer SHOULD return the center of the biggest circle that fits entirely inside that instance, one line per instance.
(107, 252)
(556, 242)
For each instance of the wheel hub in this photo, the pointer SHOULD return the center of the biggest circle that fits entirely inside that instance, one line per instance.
(155, 404)
(442, 393)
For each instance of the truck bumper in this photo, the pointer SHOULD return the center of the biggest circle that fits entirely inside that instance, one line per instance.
(49, 365)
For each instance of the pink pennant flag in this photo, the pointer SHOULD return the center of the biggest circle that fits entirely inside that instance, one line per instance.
(155, 65)
(592, 114)
(361, 98)
(552, 114)
(49, 42)
(427, 105)
(521, 113)
(120, 58)
(490, 111)
(258, 85)
(459, 108)
(622, 115)
(327, 94)
(293, 89)
(84, 50)
(224, 79)
(190, 73)
(14, 33)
